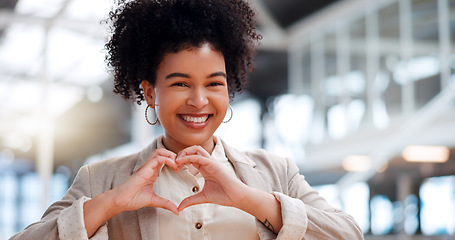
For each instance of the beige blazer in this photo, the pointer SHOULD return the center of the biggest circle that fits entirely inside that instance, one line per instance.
(306, 215)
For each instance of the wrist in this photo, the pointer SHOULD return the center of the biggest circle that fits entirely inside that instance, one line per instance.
(254, 200)
(97, 211)
(115, 204)
(105, 205)
(265, 207)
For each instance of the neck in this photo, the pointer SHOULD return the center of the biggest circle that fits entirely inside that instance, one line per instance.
(176, 147)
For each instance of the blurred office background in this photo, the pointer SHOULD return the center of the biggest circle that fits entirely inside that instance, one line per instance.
(360, 93)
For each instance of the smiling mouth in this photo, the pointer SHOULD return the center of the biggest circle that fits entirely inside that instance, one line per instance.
(191, 119)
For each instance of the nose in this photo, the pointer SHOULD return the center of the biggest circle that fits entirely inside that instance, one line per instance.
(198, 98)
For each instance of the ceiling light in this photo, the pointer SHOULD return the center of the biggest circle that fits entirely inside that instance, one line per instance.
(357, 163)
(435, 154)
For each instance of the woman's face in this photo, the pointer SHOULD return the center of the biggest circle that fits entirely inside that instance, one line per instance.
(190, 96)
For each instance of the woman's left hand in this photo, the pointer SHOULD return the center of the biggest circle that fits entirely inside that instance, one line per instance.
(226, 189)
(220, 186)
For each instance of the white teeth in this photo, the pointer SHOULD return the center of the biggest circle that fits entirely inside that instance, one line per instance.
(195, 119)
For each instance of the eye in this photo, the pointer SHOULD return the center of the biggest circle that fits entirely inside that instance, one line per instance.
(214, 84)
(179, 84)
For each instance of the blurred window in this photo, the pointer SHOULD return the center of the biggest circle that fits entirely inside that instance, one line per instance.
(381, 215)
(437, 214)
(356, 203)
(8, 192)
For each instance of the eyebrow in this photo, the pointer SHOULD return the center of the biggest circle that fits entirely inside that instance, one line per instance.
(184, 75)
(177, 74)
(222, 74)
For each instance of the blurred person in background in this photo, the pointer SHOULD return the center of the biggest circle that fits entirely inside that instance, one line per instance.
(186, 59)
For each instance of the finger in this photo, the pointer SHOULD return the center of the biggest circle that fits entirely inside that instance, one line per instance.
(203, 164)
(151, 168)
(162, 152)
(160, 160)
(193, 150)
(192, 159)
(165, 204)
(196, 151)
(157, 162)
(192, 200)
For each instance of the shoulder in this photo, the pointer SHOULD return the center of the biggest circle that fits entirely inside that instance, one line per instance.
(260, 158)
(259, 154)
(118, 163)
(269, 171)
(105, 175)
(270, 161)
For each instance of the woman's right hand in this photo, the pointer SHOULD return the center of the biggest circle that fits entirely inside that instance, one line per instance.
(137, 191)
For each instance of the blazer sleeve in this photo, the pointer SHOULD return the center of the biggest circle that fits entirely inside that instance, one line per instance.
(64, 219)
(307, 215)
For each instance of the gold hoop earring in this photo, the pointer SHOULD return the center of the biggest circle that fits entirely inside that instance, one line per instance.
(232, 114)
(147, 118)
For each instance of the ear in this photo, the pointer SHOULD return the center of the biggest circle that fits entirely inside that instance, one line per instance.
(149, 93)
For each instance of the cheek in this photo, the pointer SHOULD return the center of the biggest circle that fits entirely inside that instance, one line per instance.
(164, 106)
(165, 98)
(221, 102)
(224, 97)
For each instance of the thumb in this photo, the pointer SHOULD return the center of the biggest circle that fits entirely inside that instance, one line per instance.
(166, 204)
(192, 200)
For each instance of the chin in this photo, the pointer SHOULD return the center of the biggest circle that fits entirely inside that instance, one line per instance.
(196, 139)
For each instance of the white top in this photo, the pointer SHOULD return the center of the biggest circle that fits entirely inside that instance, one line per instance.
(203, 221)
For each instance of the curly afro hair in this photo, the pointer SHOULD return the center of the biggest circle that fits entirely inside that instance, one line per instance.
(143, 31)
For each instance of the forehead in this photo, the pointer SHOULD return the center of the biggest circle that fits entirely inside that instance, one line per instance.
(203, 60)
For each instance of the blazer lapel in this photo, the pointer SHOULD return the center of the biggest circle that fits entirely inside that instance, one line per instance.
(246, 169)
(143, 155)
(148, 223)
(147, 216)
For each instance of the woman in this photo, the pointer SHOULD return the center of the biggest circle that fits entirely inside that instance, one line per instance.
(186, 58)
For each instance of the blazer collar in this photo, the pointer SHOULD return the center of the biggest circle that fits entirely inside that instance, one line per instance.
(144, 154)
(236, 156)
(246, 170)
